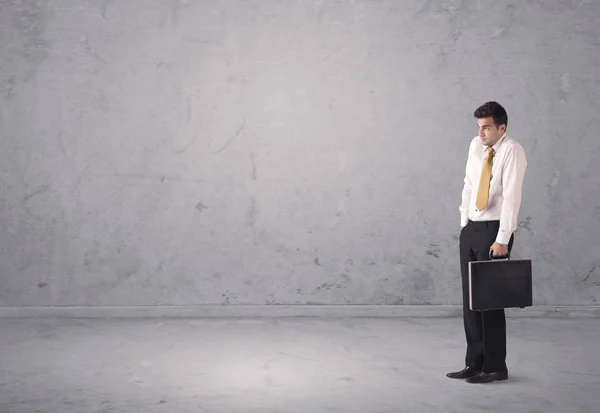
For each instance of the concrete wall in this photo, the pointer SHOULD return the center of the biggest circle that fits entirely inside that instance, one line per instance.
(285, 152)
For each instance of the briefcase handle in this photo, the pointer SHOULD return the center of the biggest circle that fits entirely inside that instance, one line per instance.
(499, 258)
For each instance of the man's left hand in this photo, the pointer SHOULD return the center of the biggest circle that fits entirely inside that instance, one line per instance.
(498, 250)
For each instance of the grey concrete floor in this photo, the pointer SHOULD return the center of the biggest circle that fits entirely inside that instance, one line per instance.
(289, 365)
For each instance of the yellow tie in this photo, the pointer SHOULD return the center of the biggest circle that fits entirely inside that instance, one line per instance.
(484, 183)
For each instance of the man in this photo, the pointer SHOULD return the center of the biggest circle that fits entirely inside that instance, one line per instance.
(491, 199)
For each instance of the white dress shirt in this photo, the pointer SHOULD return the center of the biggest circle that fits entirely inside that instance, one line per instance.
(508, 171)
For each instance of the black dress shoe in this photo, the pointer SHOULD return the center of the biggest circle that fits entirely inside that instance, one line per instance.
(465, 373)
(488, 377)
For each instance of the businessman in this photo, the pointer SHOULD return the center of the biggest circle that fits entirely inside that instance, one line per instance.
(491, 199)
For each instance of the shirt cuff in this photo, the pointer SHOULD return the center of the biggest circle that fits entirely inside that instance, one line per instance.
(503, 237)
(464, 221)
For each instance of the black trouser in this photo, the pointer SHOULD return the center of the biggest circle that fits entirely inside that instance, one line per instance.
(485, 330)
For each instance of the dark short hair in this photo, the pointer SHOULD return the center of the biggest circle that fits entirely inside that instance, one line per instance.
(493, 110)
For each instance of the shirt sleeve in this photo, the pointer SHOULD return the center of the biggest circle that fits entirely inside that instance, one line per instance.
(512, 184)
(466, 193)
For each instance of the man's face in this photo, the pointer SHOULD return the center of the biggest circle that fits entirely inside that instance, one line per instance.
(489, 134)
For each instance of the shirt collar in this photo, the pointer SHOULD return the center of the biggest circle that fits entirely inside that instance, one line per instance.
(497, 144)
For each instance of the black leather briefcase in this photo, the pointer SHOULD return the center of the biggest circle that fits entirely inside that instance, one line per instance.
(500, 283)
